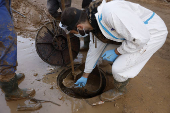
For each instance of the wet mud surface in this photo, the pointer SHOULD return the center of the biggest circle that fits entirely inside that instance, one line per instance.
(147, 93)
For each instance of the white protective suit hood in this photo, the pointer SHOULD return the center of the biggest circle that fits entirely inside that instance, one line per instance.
(108, 33)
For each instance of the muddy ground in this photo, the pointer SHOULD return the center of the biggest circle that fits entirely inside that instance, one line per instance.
(149, 92)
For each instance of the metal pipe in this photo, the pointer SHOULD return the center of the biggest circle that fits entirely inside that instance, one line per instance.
(18, 13)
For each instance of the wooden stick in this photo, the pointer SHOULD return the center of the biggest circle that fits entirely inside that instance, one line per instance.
(69, 42)
(95, 42)
(70, 52)
(63, 5)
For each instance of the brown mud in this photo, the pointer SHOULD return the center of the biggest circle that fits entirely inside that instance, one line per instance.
(147, 93)
(92, 84)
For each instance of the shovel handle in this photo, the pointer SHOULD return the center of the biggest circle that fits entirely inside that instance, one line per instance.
(70, 52)
(63, 5)
(68, 40)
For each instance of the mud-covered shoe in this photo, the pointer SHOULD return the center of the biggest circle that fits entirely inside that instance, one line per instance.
(19, 94)
(13, 92)
(111, 95)
(116, 93)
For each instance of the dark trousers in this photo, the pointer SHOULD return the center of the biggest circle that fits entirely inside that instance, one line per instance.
(54, 5)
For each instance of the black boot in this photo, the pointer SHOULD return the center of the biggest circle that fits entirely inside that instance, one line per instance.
(20, 77)
(117, 92)
(13, 92)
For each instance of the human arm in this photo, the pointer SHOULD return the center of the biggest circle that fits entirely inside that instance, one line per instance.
(91, 59)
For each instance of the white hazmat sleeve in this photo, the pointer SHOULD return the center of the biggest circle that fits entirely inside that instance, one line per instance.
(93, 54)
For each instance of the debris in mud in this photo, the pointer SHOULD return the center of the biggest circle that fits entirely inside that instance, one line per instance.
(35, 106)
(18, 13)
(98, 103)
(29, 107)
(42, 101)
(50, 69)
(35, 74)
(51, 87)
(94, 101)
(60, 98)
(32, 82)
(68, 81)
(38, 79)
(116, 105)
(44, 93)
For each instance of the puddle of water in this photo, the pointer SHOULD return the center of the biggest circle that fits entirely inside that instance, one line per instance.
(31, 64)
(45, 84)
(28, 60)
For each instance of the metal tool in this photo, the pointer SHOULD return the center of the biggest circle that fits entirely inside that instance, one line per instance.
(18, 13)
(69, 44)
(37, 105)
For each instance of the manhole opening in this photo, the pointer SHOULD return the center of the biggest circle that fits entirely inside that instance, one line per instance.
(95, 85)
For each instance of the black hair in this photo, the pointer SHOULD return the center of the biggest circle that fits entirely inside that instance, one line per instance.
(71, 17)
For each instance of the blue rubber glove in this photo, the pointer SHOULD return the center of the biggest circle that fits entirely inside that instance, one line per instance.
(81, 82)
(110, 55)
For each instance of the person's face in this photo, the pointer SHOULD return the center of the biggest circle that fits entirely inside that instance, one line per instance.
(81, 28)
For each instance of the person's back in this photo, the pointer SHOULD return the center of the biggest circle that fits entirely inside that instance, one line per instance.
(121, 7)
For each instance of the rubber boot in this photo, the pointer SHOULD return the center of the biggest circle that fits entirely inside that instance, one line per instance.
(20, 76)
(117, 92)
(13, 92)
(86, 43)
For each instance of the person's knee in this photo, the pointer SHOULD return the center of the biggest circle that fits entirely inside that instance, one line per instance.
(115, 69)
(120, 78)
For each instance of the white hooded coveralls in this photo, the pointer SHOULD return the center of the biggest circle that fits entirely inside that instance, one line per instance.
(141, 31)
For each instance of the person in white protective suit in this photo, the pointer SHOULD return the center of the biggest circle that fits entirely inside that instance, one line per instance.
(127, 34)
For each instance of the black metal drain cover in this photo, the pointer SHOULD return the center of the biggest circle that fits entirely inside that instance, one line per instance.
(51, 45)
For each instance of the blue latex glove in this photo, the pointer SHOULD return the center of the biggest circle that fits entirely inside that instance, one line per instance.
(110, 55)
(81, 82)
